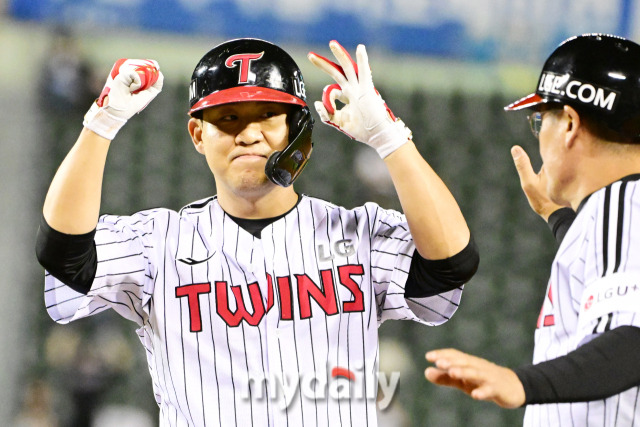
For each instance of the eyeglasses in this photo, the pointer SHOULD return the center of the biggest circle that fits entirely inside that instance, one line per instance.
(535, 122)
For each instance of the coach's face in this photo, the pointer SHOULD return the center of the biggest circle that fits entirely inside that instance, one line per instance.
(237, 140)
(556, 139)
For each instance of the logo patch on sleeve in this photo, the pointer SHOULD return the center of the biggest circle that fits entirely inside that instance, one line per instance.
(618, 292)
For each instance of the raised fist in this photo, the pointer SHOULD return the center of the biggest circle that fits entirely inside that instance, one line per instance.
(131, 86)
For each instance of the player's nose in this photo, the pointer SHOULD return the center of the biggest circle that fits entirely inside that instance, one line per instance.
(250, 133)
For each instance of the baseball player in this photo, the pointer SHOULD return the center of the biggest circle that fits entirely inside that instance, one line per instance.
(586, 115)
(258, 306)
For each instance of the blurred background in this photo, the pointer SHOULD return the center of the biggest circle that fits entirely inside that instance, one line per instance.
(445, 67)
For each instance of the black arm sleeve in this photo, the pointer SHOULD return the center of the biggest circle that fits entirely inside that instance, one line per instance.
(603, 367)
(432, 277)
(72, 259)
(560, 221)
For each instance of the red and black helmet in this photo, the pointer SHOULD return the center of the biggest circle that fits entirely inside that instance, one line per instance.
(245, 70)
(248, 69)
(599, 73)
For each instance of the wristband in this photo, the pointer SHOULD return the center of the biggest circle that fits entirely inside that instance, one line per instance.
(102, 123)
(390, 138)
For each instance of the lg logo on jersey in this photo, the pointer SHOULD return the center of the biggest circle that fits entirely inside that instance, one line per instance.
(253, 311)
(341, 247)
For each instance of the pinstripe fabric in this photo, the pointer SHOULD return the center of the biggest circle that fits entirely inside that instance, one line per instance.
(596, 269)
(218, 309)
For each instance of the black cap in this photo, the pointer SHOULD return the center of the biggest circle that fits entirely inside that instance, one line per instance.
(596, 72)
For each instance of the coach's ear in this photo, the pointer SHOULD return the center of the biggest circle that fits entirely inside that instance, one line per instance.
(574, 125)
(195, 130)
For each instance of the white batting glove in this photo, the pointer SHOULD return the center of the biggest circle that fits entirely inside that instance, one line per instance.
(365, 116)
(131, 86)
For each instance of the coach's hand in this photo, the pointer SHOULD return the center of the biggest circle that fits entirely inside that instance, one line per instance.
(479, 378)
(534, 185)
(365, 117)
(131, 86)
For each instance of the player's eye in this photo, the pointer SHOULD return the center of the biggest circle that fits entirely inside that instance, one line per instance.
(270, 114)
(228, 118)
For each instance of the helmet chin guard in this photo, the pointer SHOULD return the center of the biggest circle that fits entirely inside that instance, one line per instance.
(283, 167)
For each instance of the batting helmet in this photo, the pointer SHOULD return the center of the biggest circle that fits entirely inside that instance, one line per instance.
(599, 73)
(248, 69)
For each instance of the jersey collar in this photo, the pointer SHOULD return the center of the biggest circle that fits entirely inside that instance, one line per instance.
(632, 177)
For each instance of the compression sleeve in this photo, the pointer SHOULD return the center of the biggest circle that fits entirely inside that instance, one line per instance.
(72, 259)
(560, 221)
(431, 277)
(603, 367)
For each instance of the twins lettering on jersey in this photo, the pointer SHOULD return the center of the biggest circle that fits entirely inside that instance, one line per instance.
(561, 84)
(252, 312)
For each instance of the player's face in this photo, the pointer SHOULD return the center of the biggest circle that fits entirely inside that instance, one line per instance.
(237, 140)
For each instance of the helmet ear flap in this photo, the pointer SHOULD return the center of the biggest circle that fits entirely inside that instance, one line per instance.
(283, 167)
(299, 120)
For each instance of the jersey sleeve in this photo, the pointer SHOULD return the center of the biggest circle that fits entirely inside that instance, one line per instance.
(127, 252)
(392, 249)
(610, 293)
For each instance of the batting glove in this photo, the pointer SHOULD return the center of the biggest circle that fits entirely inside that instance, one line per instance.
(365, 116)
(131, 86)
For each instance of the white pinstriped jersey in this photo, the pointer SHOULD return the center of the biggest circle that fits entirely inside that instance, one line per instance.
(594, 287)
(228, 319)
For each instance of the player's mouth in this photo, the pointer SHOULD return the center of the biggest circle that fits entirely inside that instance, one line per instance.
(249, 156)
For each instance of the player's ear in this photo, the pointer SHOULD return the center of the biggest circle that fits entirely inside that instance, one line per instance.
(573, 125)
(195, 130)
